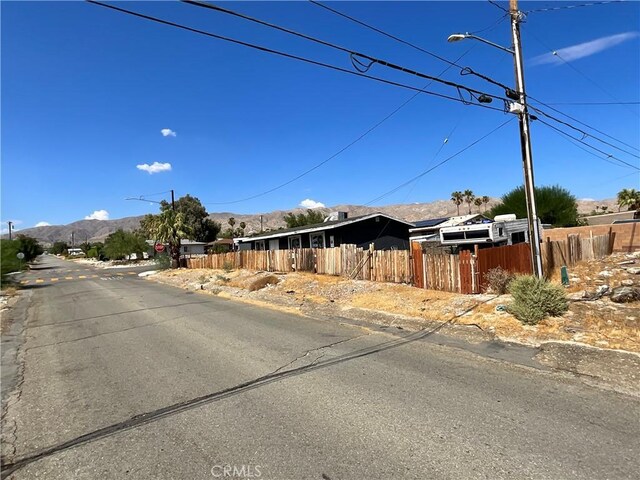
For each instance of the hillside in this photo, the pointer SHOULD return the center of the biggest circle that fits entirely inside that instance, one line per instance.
(98, 230)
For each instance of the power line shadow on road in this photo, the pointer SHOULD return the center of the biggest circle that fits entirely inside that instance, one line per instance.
(275, 376)
(149, 417)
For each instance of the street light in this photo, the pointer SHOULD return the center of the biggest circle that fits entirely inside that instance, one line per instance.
(456, 37)
(520, 108)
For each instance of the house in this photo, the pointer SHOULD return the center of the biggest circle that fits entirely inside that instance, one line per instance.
(427, 232)
(610, 218)
(221, 245)
(384, 231)
(190, 248)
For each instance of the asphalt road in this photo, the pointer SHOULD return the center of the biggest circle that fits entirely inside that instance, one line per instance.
(125, 378)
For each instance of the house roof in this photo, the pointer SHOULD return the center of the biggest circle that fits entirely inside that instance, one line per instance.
(430, 222)
(448, 222)
(320, 226)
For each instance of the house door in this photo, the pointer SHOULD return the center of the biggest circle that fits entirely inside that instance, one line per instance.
(274, 244)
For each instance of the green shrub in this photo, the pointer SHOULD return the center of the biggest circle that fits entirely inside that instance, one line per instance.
(498, 279)
(535, 299)
(163, 261)
(227, 266)
(10, 262)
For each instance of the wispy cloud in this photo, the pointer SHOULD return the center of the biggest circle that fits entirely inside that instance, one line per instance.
(308, 203)
(98, 215)
(582, 50)
(155, 167)
(167, 132)
(43, 224)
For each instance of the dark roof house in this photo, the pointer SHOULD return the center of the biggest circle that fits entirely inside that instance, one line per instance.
(384, 231)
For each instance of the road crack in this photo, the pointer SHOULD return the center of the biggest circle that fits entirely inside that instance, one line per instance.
(310, 351)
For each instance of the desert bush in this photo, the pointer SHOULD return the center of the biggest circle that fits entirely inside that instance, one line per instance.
(227, 266)
(223, 279)
(498, 280)
(202, 279)
(163, 261)
(262, 282)
(535, 299)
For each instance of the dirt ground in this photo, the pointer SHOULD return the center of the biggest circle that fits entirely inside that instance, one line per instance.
(600, 323)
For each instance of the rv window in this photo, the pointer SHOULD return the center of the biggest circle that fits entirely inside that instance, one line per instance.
(478, 234)
(500, 231)
(517, 237)
(453, 236)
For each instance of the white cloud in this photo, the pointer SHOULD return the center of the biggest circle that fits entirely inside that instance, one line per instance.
(155, 167)
(582, 50)
(42, 224)
(587, 199)
(167, 132)
(308, 203)
(98, 215)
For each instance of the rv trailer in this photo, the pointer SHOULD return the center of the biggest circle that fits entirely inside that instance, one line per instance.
(503, 230)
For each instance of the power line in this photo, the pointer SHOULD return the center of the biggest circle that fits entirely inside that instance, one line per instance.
(587, 144)
(425, 172)
(590, 103)
(584, 134)
(405, 42)
(314, 62)
(565, 7)
(495, 4)
(466, 70)
(355, 55)
(579, 72)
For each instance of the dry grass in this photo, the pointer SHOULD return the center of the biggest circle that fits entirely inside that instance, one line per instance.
(600, 323)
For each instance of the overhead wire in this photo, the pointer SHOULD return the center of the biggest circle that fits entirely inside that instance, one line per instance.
(467, 70)
(425, 172)
(565, 7)
(307, 60)
(608, 155)
(354, 55)
(405, 42)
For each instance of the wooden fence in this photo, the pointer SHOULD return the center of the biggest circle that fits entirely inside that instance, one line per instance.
(346, 260)
(462, 273)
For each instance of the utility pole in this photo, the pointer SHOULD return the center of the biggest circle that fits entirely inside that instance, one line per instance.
(173, 202)
(525, 142)
(73, 239)
(10, 228)
(261, 224)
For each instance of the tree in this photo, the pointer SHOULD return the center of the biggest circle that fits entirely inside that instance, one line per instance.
(469, 197)
(170, 227)
(231, 222)
(629, 197)
(121, 244)
(59, 248)
(196, 218)
(485, 200)
(604, 208)
(310, 218)
(9, 261)
(457, 198)
(555, 205)
(478, 203)
(29, 246)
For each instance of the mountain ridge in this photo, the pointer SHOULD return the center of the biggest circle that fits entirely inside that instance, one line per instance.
(98, 230)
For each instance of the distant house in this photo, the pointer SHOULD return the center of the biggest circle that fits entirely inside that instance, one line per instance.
(609, 218)
(190, 248)
(221, 245)
(384, 231)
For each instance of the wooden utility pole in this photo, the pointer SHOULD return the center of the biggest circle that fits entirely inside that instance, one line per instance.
(525, 141)
(11, 227)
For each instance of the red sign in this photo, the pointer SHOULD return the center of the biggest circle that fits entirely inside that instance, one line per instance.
(159, 247)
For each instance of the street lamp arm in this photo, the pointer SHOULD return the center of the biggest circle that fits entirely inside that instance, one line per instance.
(456, 37)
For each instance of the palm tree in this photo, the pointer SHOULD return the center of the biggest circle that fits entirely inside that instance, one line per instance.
(469, 197)
(485, 200)
(457, 198)
(478, 203)
(629, 197)
(604, 208)
(170, 227)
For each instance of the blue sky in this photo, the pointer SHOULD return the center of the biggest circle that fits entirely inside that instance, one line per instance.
(98, 106)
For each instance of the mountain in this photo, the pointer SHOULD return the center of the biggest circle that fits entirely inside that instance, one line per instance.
(98, 230)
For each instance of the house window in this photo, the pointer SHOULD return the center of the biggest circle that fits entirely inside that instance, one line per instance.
(260, 245)
(186, 249)
(295, 242)
(316, 240)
